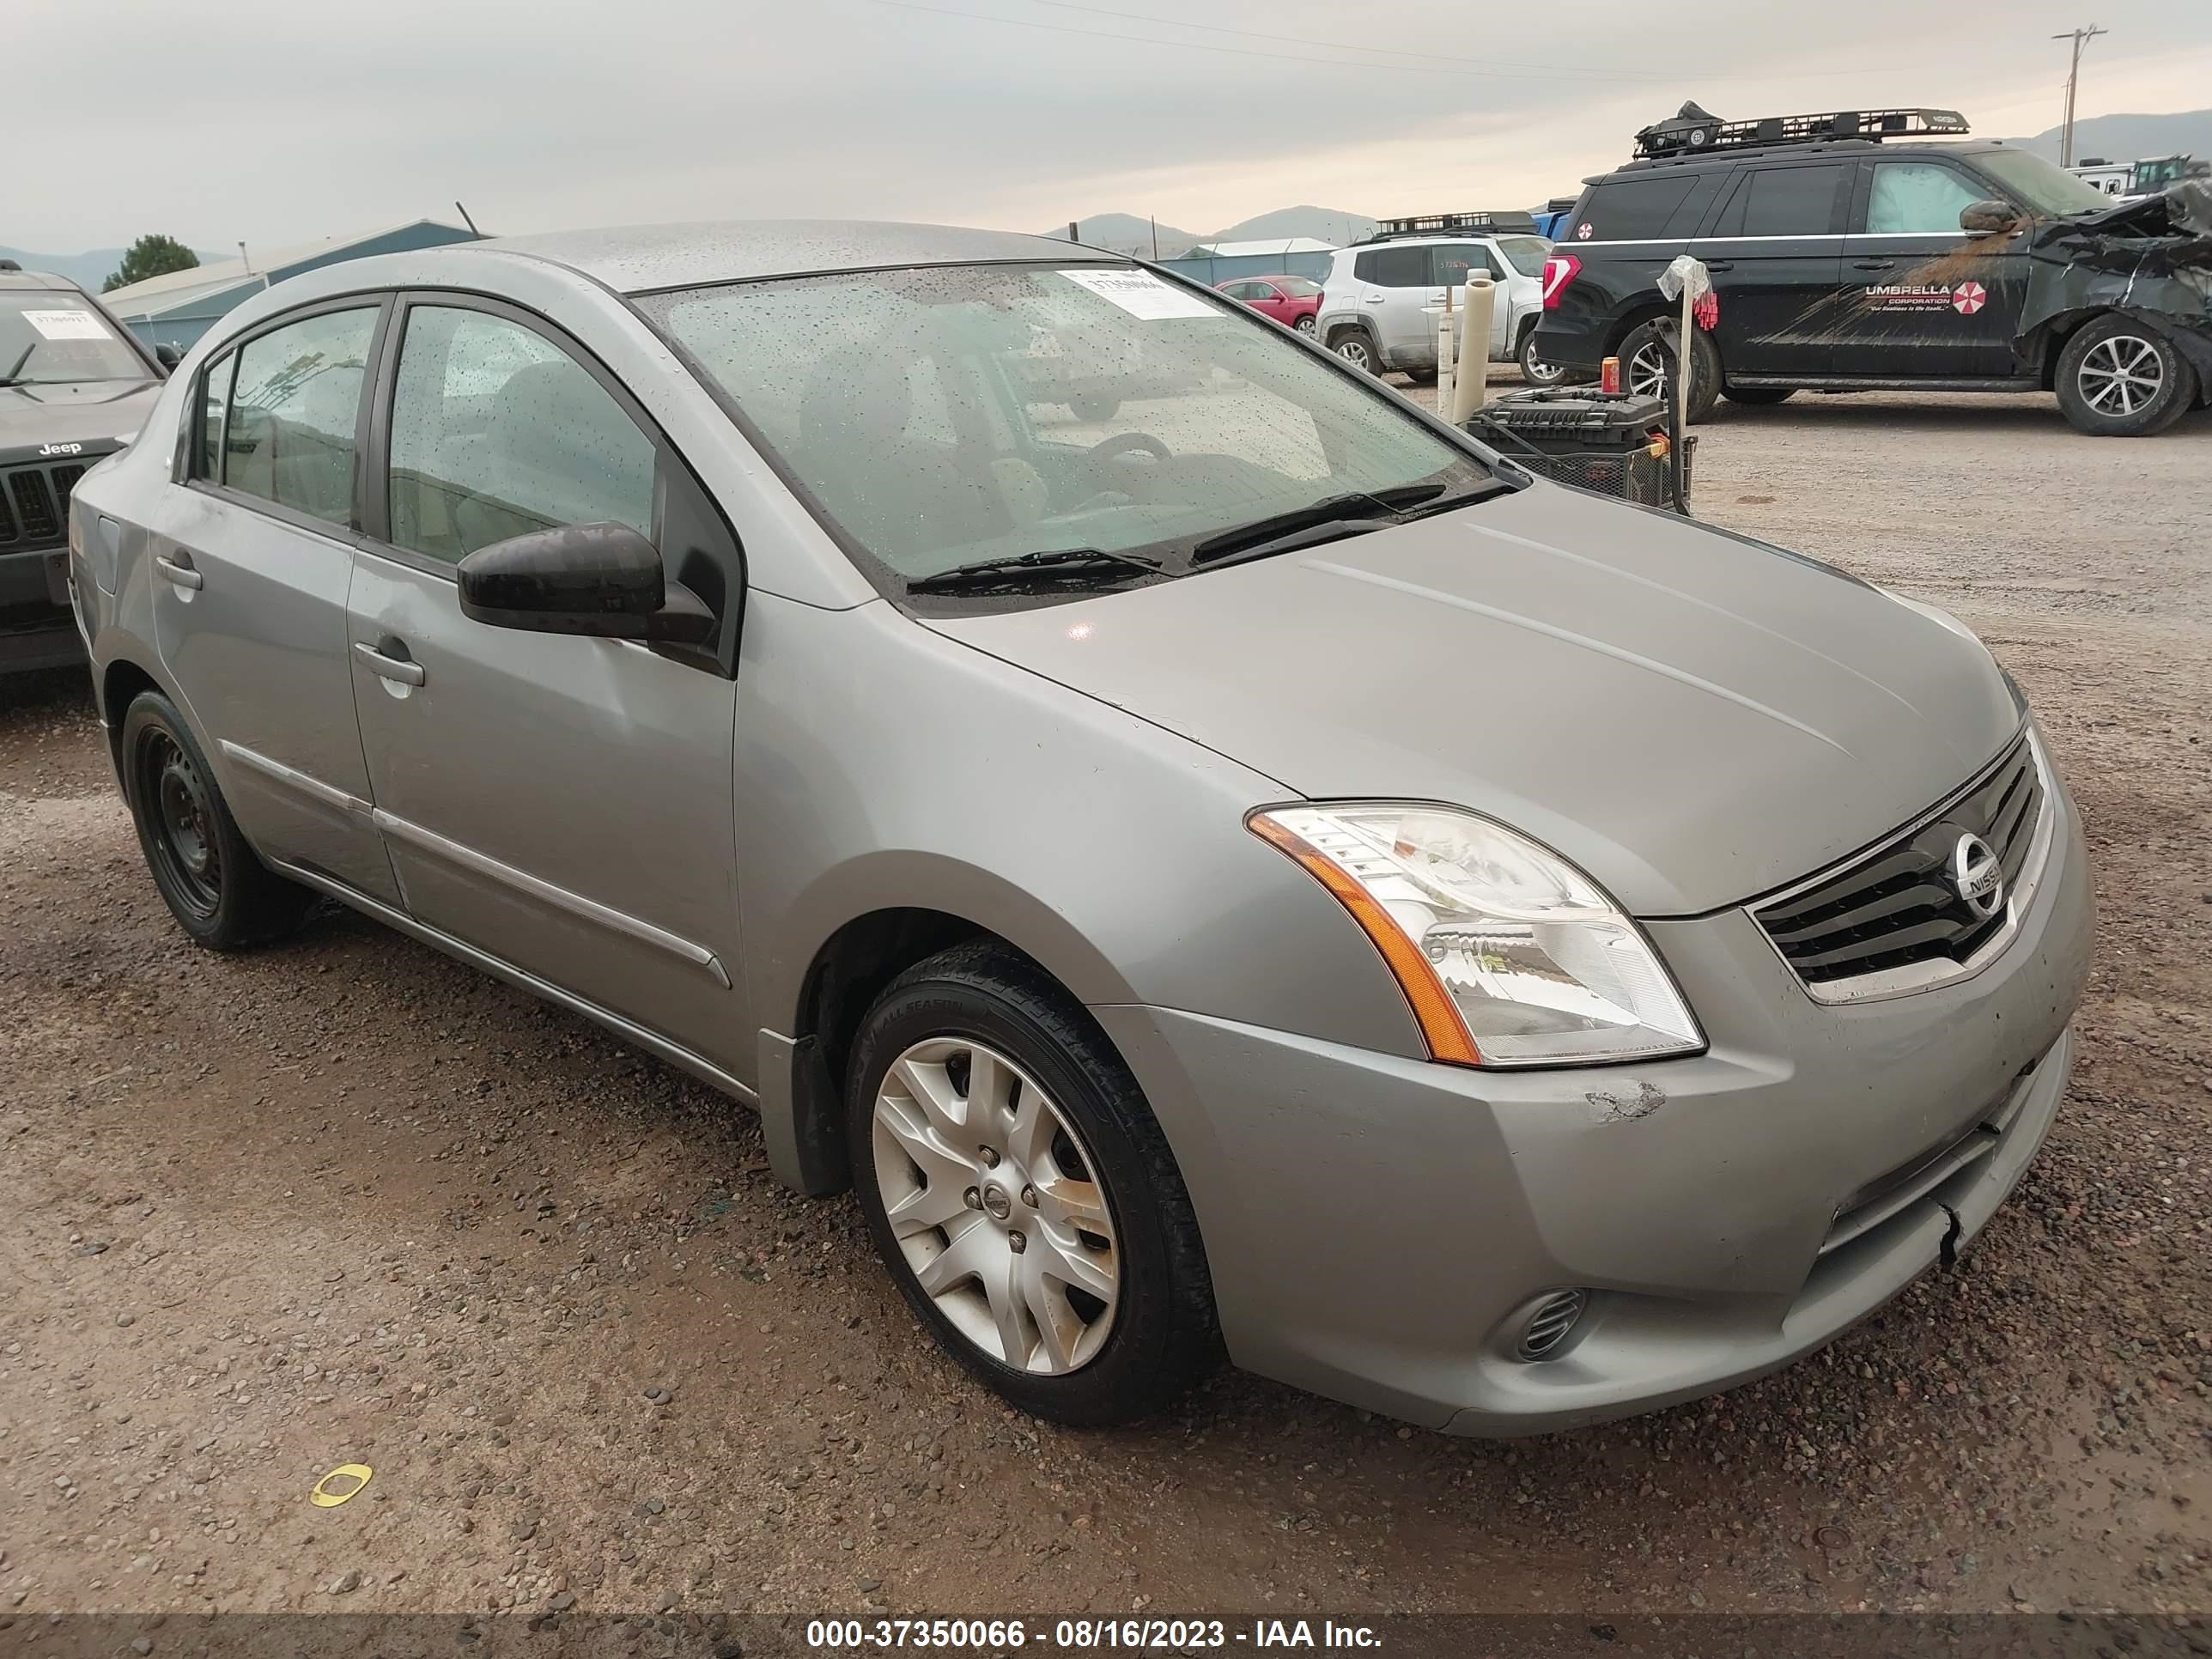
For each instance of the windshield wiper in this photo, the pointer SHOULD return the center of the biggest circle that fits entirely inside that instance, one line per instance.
(1052, 564)
(1330, 509)
(16, 367)
(1337, 516)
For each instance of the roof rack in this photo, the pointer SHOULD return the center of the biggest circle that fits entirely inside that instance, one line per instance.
(1696, 131)
(1448, 224)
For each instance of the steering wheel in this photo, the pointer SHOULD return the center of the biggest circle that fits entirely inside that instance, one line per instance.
(1107, 448)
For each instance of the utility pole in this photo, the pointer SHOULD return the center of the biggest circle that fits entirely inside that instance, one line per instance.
(2081, 38)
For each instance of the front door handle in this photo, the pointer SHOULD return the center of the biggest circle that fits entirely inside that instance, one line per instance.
(1874, 264)
(401, 670)
(1720, 265)
(179, 570)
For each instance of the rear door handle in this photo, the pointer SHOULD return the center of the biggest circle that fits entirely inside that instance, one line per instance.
(1720, 265)
(402, 669)
(179, 570)
(1872, 264)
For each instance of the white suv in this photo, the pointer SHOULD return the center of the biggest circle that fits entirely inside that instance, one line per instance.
(1381, 299)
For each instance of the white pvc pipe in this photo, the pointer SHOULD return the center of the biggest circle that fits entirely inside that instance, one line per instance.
(1447, 352)
(1471, 389)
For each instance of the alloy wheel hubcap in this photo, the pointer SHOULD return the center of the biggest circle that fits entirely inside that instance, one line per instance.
(2122, 375)
(996, 1205)
(1647, 373)
(1353, 352)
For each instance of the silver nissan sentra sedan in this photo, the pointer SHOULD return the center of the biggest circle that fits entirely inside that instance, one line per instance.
(1234, 864)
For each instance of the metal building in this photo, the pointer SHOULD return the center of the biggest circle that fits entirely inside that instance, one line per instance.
(177, 308)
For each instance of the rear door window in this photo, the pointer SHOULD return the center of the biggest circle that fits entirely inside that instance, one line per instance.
(1396, 267)
(1454, 261)
(215, 408)
(1635, 209)
(1790, 201)
(290, 436)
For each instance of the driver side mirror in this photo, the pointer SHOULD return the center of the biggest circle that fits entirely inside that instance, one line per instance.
(1988, 218)
(603, 581)
(167, 355)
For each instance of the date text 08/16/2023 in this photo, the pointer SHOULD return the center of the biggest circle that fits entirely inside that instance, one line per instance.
(1085, 1635)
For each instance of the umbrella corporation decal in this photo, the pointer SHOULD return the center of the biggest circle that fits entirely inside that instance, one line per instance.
(1965, 298)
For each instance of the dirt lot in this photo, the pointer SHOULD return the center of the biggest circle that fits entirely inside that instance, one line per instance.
(344, 1200)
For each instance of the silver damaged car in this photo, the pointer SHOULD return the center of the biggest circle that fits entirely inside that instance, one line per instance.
(1253, 873)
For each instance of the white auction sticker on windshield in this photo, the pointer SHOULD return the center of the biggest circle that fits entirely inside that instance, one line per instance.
(66, 324)
(1140, 294)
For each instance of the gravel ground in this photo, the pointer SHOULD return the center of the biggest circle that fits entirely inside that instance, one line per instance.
(342, 1201)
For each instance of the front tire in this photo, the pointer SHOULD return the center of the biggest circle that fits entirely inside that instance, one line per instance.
(1023, 1195)
(2118, 379)
(1304, 324)
(222, 895)
(1647, 369)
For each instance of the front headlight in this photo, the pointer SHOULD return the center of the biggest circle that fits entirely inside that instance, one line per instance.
(1509, 955)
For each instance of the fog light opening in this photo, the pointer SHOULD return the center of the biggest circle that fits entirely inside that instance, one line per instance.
(1550, 1324)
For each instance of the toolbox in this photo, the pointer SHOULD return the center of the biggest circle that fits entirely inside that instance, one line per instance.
(1614, 443)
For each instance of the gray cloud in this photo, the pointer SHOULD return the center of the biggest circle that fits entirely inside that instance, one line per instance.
(278, 120)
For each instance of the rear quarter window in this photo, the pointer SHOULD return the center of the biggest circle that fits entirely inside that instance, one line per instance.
(1637, 209)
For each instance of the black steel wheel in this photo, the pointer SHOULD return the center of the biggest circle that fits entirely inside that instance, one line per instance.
(220, 893)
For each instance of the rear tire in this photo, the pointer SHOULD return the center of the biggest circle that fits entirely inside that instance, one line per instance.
(1356, 347)
(1533, 368)
(1646, 368)
(2120, 379)
(222, 895)
(1421, 376)
(1758, 397)
(1052, 1176)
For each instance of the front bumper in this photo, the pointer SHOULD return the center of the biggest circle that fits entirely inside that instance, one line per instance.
(37, 629)
(1374, 1226)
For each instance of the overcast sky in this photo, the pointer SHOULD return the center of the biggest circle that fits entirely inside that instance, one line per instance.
(282, 121)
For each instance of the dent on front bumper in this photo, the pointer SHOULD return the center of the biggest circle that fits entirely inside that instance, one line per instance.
(1376, 1225)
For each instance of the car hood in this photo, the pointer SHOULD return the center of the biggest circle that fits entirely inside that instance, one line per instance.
(1691, 717)
(98, 414)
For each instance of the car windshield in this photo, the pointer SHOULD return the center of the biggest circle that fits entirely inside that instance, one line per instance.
(1527, 253)
(51, 336)
(1298, 288)
(2044, 188)
(938, 416)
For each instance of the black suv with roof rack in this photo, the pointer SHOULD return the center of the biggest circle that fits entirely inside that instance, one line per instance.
(75, 386)
(1874, 250)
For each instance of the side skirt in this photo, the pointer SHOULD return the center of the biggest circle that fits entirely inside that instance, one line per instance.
(659, 1047)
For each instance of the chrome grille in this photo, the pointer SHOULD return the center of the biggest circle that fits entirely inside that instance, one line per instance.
(1895, 906)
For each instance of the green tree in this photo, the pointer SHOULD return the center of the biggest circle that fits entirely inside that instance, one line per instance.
(151, 255)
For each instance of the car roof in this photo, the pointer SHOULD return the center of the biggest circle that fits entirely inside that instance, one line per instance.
(640, 258)
(1265, 277)
(1847, 147)
(41, 281)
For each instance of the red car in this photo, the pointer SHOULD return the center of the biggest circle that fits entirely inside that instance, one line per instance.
(1293, 301)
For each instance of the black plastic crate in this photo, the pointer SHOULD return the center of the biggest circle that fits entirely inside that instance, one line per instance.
(1579, 437)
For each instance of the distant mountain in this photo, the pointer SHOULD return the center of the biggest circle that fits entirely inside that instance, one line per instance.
(2130, 137)
(85, 270)
(1125, 232)
(1322, 224)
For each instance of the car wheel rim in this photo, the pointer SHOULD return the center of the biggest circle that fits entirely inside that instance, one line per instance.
(2120, 376)
(183, 822)
(1538, 370)
(1354, 352)
(1304, 324)
(995, 1205)
(1647, 371)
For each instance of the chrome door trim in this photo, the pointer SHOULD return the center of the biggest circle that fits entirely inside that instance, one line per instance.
(575, 903)
(329, 794)
(399, 921)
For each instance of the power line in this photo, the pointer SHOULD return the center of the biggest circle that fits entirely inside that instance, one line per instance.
(2081, 38)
